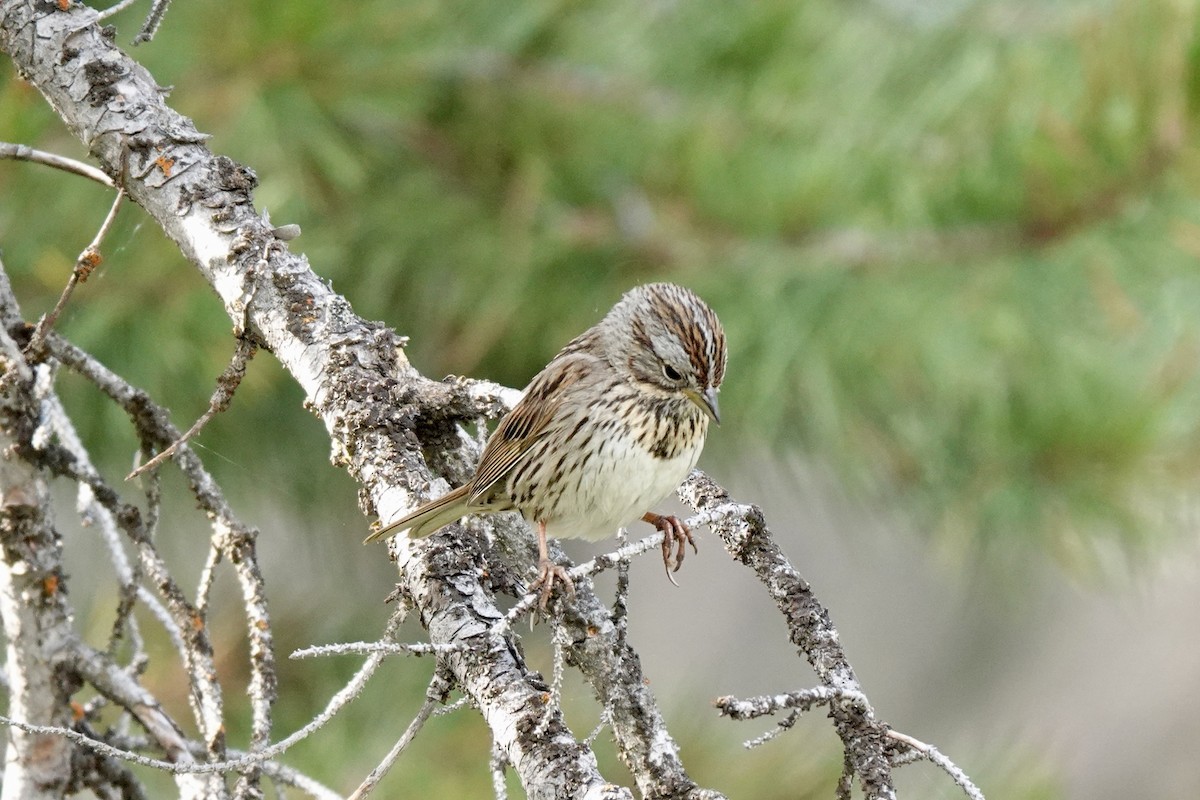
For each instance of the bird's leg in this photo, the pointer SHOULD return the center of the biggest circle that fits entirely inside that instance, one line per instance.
(548, 572)
(675, 534)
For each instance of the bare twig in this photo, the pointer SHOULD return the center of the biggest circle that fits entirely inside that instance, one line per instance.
(743, 531)
(600, 726)
(559, 639)
(242, 762)
(291, 777)
(845, 784)
(114, 9)
(435, 694)
(208, 576)
(802, 700)
(94, 514)
(102, 673)
(933, 754)
(587, 569)
(866, 739)
(158, 10)
(344, 696)
(198, 653)
(222, 396)
(784, 724)
(87, 261)
(369, 648)
(22, 152)
(497, 764)
(125, 625)
(126, 694)
(238, 544)
(450, 708)
(231, 541)
(796, 702)
(620, 607)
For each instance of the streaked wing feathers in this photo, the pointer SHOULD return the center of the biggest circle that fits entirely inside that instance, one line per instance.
(526, 423)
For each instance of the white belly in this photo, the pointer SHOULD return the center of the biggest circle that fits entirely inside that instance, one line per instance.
(627, 481)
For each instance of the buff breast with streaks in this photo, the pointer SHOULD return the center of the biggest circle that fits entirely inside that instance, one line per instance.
(608, 429)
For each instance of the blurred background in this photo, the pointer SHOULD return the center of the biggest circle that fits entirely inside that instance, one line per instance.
(954, 247)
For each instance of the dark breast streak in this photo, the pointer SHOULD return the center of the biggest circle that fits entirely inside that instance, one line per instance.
(671, 425)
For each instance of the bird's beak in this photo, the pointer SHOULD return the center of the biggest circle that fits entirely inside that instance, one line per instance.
(707, 400)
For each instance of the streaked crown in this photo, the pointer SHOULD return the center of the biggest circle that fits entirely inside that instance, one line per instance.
(667, 336)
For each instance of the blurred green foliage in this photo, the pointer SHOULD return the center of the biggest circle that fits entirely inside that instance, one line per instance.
(954, 244)
(954, 247)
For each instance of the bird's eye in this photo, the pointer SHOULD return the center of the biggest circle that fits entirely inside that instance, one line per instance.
(671, 374)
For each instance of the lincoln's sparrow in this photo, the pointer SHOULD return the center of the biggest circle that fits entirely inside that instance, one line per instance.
(608, 429)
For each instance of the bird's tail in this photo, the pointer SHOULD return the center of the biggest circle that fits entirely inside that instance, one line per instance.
(427, 519)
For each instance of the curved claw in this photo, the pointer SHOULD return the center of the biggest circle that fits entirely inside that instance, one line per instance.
(548, 574)
(671, 577)
(676, 537)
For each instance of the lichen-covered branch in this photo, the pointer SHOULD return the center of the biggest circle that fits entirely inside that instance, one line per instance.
(744, 532)
(36, 617)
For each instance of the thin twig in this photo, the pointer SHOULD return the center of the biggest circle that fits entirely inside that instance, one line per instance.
(208, 576)
(124, 690)
(845, 784)
(446, 710)
(435, 693)
(622, 555)
(238, 544)
(231, 540)
(197, 651)
(87, 261)
(803, 700)
(158, 10)
(746, 536)
(206, 699)
(263, 759)
(339, 700)
(94, 514)
(58, 458)
(20, 152)
(560, 639)
(115, 9)
(620, 607)
(222, 396)
(949, 767)
(497, 765)
(125, 755)
(785, 724)
(291, 777)
(796, 702)
(590, 739)
(369, 648)
(589, 568)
